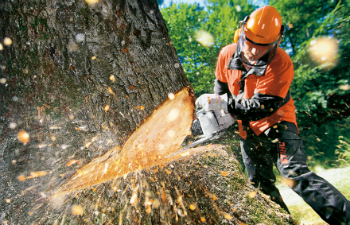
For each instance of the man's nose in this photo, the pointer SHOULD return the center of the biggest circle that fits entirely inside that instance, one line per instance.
(254, 51)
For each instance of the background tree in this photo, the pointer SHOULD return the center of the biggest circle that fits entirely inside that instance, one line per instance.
(303, 19)
(219, 20)
(320, 88)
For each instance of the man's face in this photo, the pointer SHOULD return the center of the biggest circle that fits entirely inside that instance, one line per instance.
(253, 52)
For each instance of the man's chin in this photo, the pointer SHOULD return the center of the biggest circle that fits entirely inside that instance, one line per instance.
(252, 59)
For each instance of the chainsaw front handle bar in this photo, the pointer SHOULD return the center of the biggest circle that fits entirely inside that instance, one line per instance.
(212, 102)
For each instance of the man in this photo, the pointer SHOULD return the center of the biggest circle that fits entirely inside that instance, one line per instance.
(257, 74)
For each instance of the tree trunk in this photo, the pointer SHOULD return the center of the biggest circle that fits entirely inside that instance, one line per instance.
(76, 81)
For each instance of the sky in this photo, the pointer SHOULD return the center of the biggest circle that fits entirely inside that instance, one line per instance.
(201, 2)
(167, 2)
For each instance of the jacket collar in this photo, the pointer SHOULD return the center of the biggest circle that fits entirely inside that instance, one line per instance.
(236, 63)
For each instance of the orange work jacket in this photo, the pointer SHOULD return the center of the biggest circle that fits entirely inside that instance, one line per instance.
(276, 82)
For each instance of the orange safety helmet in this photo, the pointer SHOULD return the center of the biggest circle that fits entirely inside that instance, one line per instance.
(263, 26)
(259, 35)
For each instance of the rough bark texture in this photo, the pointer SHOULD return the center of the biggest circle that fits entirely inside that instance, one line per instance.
(69, 61)
(75, 82)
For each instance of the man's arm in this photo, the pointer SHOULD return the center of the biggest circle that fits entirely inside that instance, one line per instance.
(220, 88)
(257, 107)
(220, 82)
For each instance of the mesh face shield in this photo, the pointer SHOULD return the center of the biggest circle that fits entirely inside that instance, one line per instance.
(255, 54)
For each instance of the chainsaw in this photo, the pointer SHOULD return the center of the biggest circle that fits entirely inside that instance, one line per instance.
(208, 125)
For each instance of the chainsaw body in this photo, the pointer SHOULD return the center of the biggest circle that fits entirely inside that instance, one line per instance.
(213, 124)
(209, 125)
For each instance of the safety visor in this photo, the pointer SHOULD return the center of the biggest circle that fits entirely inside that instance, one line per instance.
(252, 52)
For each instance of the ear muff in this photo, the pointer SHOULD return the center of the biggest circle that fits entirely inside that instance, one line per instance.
(239, 30)
(237, 34)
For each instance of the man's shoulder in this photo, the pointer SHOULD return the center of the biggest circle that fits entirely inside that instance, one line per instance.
(281, 62)
(282, 55)
(228, 50)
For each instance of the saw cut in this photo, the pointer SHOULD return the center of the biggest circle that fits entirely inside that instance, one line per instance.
(160, 135)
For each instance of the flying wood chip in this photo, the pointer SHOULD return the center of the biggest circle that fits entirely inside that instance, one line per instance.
(160, 135)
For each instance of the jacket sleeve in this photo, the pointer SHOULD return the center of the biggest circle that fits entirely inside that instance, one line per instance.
(271, 92)
(220, 88)
(257, 107)
(220, 82)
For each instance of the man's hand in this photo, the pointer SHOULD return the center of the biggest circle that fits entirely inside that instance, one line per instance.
(212, 102)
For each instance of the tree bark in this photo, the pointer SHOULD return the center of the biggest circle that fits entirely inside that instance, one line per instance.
(76, 81)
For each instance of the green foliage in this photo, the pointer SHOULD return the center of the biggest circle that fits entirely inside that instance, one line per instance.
(183, 21)
(321, 92)
(327, 144)
(303, 18)
(220, 19)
